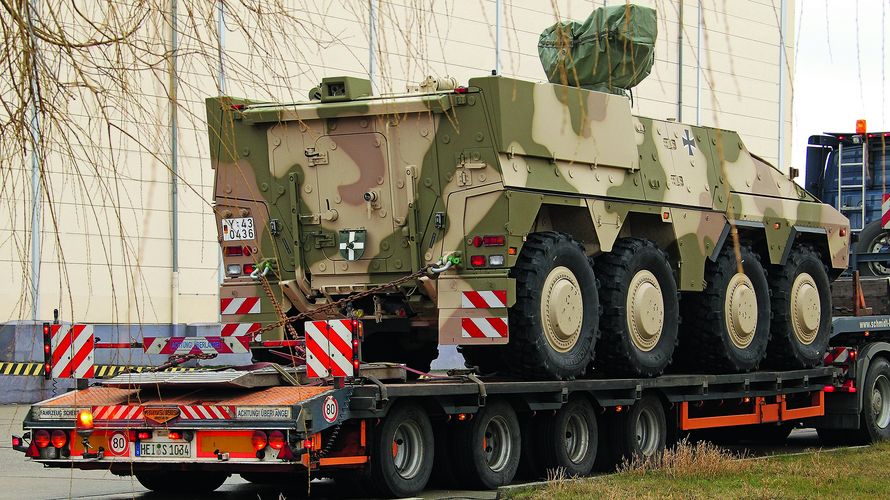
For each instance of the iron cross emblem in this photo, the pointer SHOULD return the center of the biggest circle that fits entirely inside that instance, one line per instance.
(689, 143)
(352, 243)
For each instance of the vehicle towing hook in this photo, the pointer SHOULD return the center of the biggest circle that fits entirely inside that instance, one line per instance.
(262, 270)
(445, 263)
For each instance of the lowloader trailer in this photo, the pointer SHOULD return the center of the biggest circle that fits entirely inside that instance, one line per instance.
(188, 432)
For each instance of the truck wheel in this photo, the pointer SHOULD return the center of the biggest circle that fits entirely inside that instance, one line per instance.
(640, 309)
(403, 451)
(554, 323)
(642, 431)
(571, 438)
(181, 482)
(875, 425)
(873, 239)
(726, 326)
(488, 446)
(801, 308)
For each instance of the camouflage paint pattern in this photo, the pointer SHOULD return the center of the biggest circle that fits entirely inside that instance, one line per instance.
(419, 175)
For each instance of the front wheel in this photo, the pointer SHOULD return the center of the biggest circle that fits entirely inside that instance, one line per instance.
(801, 308)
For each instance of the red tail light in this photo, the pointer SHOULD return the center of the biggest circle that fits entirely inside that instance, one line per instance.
(59, 438)
(143, 435)
(234, 251)
(259, 440)
(477, 241)
(276, 440)
(174, 435)
(494, 241)
(477, 260)
(307, 443)
(41, 438)
(249, 268)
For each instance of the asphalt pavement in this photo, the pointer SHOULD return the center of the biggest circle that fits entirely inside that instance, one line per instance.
(23, 479)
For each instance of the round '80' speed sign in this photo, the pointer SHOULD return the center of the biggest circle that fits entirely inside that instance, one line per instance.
(330, 409)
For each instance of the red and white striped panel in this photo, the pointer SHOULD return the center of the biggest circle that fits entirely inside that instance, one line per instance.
(238, 329)
(329, 348)
(72, 351)
(837, 355)
(885, 211)
(485, 299)
(117, 412)
(477, 328)
(239, 305)
(205, 412)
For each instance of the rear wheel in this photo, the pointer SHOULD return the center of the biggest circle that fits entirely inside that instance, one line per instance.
(726, 326)
(181, 482)
(640, 309)
(571, 438)
(801, 308)
(874, 425)
(554, 322)
(487, 448)
(641, 432)
(874, 239)
(403, 451)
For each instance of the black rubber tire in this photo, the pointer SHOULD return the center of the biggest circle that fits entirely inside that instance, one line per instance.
(785, 351)
(617, 355)
(870, 235)
(470, 440)
(705, 341)
(385, 478)
(179, 482)
(528, 354)
(557, 431)
(626, 444)
(869, 428)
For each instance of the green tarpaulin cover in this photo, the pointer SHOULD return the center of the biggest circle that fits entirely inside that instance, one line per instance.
(611, 51)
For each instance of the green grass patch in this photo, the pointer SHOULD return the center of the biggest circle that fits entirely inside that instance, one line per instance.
(705, 471)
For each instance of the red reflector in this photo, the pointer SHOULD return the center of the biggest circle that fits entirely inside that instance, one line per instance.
(477, 260)
(234, 251)
(174, 435)
(307, 443)
(494, 241)
(355, 363)
(276, 440)
(843, 231)
(828, 388)
(852, 354)
(477, 241)
(143, 435)
(59, 438)
(460, 90)
(41, 438)
(249, 268)
(16, 441)
(258, 440)
(247, 251)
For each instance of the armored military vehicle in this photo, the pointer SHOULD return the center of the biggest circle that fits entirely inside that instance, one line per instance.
(540, 226)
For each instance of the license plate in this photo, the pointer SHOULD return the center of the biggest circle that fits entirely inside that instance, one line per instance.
(164, 450)
(238, 229)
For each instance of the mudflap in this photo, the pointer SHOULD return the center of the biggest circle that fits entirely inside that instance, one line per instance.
(474, 310)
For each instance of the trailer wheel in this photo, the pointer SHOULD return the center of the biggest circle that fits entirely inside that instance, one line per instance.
(181, 482)
(403, 451)
(726, 325)
(801, 307)
(488, 446)
(874, 239)
(875, 425)
(641, 432)
(571, 438)
(554, 322)
(640, 305)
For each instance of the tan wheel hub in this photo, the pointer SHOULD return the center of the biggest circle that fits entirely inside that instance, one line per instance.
(740, 310)
(562, 309)
(645, 310)
(806, 309)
